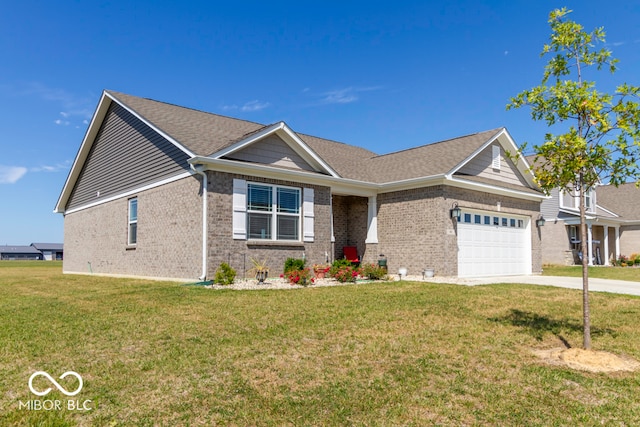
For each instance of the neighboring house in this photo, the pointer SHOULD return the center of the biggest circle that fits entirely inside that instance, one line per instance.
(19, 253)
(613, 225)
(163, 191)
(50, 251)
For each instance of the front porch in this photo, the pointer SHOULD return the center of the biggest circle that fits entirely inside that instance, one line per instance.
(602, 240)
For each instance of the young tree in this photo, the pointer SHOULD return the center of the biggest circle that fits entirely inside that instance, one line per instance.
(600, 132)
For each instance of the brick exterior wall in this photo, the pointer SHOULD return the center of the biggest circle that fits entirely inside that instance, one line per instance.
(629, 239)
(556, 243)
(415, 230)
(169, 235)
(238, 253)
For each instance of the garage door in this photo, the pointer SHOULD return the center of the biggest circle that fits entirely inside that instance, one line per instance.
(493, 244)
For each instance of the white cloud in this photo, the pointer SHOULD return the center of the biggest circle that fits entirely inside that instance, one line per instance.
(340, 96)
(11, 174)
(345, 95)
(254, 106)
(73, 107)
(52, 168)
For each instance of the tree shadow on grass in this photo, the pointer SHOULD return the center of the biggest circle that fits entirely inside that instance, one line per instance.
(537, 326)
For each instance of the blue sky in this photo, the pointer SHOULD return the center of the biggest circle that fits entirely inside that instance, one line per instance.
(381, 75)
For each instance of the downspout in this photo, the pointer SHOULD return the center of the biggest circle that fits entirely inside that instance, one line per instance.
(199, 169)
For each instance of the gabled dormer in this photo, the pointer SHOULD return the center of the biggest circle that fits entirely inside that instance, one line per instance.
(278, 146)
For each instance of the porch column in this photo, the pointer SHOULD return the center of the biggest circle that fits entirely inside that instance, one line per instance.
(606, 245)
(372, 220)
(590, 243)
(333, 237)
(617, 254)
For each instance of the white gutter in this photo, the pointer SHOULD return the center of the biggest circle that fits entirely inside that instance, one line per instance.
(199, 169)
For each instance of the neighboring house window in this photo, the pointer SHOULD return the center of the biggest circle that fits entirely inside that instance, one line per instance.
(589, 195)
(573, 237)
(571, 199)
(132, 238)
(272, 212)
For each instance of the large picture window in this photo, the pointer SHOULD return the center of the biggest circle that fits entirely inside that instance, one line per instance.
(273, 212)
(132, 234)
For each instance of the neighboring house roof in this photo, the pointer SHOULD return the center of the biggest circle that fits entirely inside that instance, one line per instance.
(48, 246)
(624, 200)
(214, 140)
(16, 249)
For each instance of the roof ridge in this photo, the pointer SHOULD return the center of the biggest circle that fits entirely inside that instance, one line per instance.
(496, 130)
(338, 142)
(115, 93)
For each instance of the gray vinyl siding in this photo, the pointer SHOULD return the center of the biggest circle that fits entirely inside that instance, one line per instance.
(125, 155)
(481, 165)
(272, 151)
(549, 208)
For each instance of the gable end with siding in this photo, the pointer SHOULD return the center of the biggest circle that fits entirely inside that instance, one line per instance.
(106, 173)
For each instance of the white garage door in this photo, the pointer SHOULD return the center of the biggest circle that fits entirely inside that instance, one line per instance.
(493, 244)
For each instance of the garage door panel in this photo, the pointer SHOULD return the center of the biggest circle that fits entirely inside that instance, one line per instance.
(489, 250)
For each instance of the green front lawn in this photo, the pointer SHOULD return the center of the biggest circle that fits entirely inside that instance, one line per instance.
(157, 353)
(600, 272)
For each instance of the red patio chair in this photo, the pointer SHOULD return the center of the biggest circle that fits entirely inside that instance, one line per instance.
(351, 254)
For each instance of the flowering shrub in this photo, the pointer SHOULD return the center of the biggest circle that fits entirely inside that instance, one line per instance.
(300, 277)
(345, 273)
(623, 261)
(373, 271)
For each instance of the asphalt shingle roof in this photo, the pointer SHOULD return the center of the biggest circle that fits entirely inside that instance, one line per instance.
(206, 133)
(427, 160)
(624, 200)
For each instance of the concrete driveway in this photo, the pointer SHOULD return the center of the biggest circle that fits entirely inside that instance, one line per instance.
(595, 285)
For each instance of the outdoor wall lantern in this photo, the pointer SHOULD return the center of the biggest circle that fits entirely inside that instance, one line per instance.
(540, 221)
(455, 211)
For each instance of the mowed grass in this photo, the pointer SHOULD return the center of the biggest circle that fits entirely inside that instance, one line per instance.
(616, 273)
(404, 353)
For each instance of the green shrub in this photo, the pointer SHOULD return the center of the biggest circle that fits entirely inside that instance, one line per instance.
(342, 262)
(225, 275)
(374, 271)
(293, 264)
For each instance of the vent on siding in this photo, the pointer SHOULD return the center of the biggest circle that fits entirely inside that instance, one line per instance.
(495, 154)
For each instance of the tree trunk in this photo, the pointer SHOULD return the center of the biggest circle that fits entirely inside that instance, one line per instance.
(586, 316)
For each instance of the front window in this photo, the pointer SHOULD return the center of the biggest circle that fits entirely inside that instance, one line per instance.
(273, 212)
(132, 238)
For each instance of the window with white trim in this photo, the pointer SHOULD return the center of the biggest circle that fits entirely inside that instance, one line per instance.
(132, 233)
(273, 212)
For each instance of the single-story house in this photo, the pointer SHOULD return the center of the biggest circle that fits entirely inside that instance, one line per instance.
(613, 225)
(163, 191)
(50, 251)
(19, 253)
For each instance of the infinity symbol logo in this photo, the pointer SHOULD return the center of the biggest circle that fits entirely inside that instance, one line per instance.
(55, 383)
